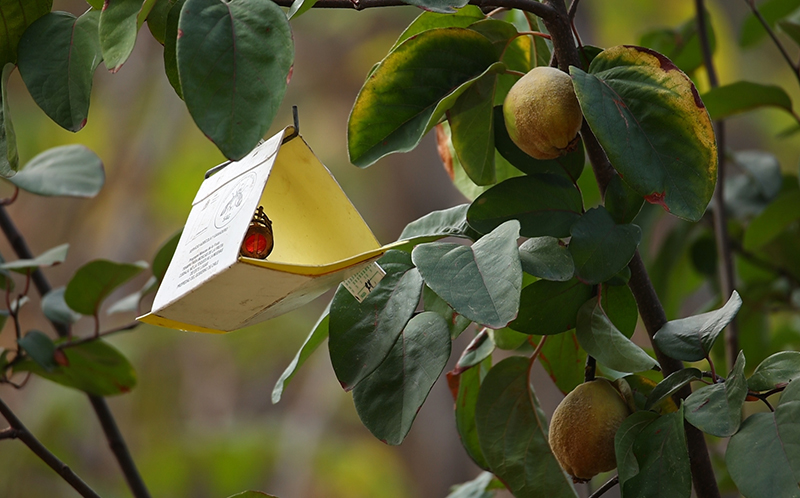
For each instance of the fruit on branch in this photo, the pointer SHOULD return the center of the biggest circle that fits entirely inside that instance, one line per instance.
(542, 114)
(583, 427)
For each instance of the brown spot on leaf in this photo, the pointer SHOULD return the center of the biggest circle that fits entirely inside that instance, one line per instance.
(443, 148)
(453, 382)
(180, 34)
(657, 198)
(289, 76)
(666, 64)
(697, 100)
(105, 4)
(60, 358)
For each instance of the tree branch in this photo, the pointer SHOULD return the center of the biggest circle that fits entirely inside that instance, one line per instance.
(24, 435)
(112, 433)
(726, 274)
(647, 300)
(781, 48)
(532, 6)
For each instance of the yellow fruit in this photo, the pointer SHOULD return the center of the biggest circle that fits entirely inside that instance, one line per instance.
(542, 114)
(583, 427)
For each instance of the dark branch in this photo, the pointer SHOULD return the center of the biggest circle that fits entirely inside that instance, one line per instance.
(113, 435)
(24, 435)
(605, 487)
(726, 274)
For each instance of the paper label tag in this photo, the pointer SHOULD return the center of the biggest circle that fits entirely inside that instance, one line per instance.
(362, 283)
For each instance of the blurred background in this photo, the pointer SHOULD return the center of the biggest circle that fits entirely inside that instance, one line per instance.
(200, 422)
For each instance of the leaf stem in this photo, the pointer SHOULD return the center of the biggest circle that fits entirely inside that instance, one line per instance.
(19, 431)
(107, 421)
(726, 273)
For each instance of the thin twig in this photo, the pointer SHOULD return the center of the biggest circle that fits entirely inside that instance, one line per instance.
(110, 428)
(24, 435)
(9, 433)
(605, 487)
(726, 273)
(771, 33)
(763, 264)
(115, 330)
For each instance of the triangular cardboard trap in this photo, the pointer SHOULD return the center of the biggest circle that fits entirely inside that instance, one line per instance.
(320, 239)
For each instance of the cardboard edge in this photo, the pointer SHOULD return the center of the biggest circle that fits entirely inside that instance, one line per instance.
(160, 321)
(316, 270)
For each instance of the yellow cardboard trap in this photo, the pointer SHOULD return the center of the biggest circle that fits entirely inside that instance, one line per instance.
(319, 240)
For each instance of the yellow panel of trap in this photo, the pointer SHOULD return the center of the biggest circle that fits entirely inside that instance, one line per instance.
(319, 240)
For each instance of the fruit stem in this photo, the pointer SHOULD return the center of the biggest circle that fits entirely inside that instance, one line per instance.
(605, 487)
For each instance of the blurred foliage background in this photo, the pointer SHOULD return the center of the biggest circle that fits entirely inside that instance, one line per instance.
(200, 423)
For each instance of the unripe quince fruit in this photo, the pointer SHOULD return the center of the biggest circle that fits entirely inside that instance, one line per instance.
(583, 427)
(542, 114)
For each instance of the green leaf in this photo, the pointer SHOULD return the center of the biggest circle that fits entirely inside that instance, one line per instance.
(441, 6)
(507, 339)
(742, 96)
(598, 335)
(649, 118)
(481, 282)
(58, 54)
(17, 16)
(543, 204)
(388, 400)
(620, 306)
(672, 384)
(791, 27)
(9, 157)
(317, 336)
(471, 121)
(548, 308)
(157, 19)
(68, 170)
(435, 225)
(570, 165)
(94, 367)
(55, 308)
(131, 302)
(772, 11)
(234, 61)
(164, 255)
(749, 193)
(432, 302)
(621, 201)
(512, 430)
(117, 31)
(433, 20)
(299, 7)
(502, 168)
(652, 456)
(480, 348)
(600, 248)
(95, 281)
(763, 458)
(392, 111)
(361, 334)
(171, 46)
(717, 409)
(40, 349)
(682, 44)
(691, 338)
(564, 360)
(476, 488)
(547, 258)
(773, 221)
(469, 383)
(775, 371)
(51, 257)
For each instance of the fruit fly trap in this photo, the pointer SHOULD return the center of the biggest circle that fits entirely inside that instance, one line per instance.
(228, 272)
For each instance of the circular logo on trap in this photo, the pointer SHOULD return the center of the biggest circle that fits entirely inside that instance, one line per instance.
(234, 200)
